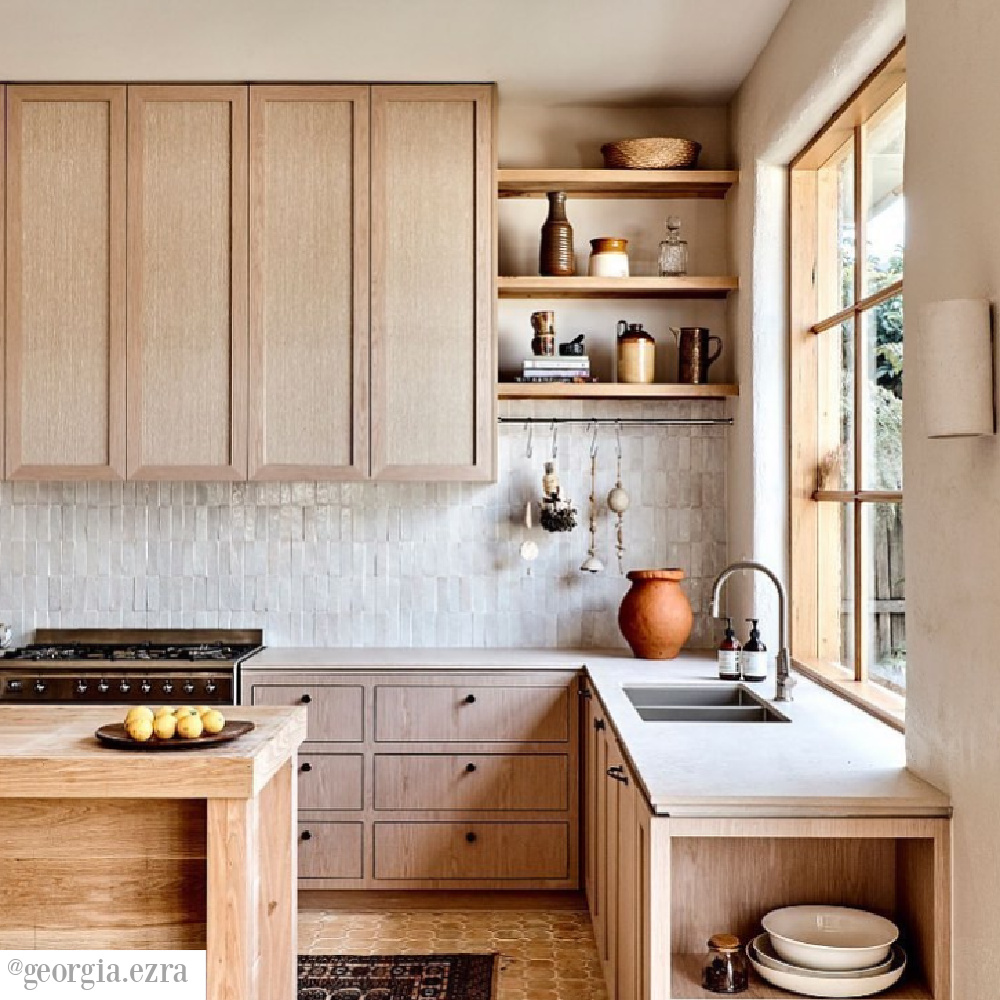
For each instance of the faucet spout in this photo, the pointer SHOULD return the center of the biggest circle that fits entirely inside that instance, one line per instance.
(784, 682)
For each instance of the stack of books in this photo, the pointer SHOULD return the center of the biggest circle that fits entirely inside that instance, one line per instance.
(565, 368)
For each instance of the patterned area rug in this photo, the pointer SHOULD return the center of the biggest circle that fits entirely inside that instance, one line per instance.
(396, 977)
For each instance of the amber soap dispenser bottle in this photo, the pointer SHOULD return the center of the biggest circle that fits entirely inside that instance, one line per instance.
(753, 659)
(729, 655)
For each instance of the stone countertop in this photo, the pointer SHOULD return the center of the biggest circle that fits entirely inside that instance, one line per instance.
(831, 760)
(51, 752)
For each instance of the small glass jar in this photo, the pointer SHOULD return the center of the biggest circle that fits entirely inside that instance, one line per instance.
(725, 969)
(673, 250)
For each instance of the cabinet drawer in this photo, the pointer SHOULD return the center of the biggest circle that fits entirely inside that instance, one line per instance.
(498, 851)
(471, 714)
(471, 782)
(330, 850)
(331, 781)
(336, 711)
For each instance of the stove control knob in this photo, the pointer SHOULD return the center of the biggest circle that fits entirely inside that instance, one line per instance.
(103, 686)
(124, 687)
(188, 687)
(168, 687)
(39, 687)
(146, 687)
(81, 687)
(210, 687)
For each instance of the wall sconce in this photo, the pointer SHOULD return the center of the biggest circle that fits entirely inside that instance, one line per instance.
(957, 378)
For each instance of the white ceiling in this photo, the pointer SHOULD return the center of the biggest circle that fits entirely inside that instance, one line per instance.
(628, 51)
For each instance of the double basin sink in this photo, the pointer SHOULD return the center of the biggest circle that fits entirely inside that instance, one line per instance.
(701, 703)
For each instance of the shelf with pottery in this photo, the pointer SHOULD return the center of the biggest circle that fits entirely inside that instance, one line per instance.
(603, 183)
(641, 287)
(615, 390)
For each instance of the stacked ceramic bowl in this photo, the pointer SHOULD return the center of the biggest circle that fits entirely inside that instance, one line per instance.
(828, 951)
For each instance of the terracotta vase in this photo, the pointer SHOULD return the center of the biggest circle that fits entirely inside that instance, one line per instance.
(655, 616)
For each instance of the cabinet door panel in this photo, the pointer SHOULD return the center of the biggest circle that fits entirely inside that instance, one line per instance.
(432, 283)
(309, 282)
(187, 250)
(66, 282)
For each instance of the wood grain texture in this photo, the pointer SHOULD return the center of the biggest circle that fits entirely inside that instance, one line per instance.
(187, 283)
(585, 287)
(505, 782)
(433, 186)
(66, 282)
(331, 781)
(443, 714)
(499, 851)
(335, 711)
(309, 220)
(615, 390)
(332, 850)
(3, 287)
(588, 183)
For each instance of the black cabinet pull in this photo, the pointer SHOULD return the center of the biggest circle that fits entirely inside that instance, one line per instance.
(617, 772)
(470, 767)
(598, 724)
(306, 835)
(306, 698)
(470, 699)
(307, 766)
(470, 838)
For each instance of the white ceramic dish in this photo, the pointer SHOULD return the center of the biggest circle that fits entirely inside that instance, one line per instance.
(766, 955)
(809, 984)
(830, 937)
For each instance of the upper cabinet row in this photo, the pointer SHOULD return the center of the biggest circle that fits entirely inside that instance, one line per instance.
(265, 282)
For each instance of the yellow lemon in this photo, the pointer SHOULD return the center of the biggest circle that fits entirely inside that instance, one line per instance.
(164, 726)
(185, 710)
(203, 709)
(165, 710)
(189, 727)
(138, 712)
(213, 721)
(140, 729)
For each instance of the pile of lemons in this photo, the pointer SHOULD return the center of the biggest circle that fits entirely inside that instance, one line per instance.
(165, 723)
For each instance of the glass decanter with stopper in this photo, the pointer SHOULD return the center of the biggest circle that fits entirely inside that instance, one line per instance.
(673, 250)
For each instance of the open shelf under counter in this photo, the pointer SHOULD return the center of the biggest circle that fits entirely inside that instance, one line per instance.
(586, 287)
(615, 390)
(685, 984)
(599, 183)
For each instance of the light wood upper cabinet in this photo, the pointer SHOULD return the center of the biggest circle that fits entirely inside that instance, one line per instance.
(308, 414)
(432, 282)
(65, 237)
(187, 282)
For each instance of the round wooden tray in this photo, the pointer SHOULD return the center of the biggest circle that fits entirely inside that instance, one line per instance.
(115, 736)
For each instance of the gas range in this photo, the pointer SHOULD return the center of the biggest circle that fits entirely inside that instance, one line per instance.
(123, 666)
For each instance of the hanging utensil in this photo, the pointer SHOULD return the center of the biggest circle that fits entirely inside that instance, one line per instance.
(618, 503)
(529, 548)
(592, 564)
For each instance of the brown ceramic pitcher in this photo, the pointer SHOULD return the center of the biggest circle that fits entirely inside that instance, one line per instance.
(694, 353)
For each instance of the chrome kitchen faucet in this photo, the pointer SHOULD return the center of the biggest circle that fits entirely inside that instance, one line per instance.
(784, 682)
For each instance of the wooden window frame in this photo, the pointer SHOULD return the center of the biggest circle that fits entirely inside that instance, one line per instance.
(808, 320)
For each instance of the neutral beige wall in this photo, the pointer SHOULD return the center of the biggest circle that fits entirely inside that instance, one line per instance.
(953, 487)
(818, 55)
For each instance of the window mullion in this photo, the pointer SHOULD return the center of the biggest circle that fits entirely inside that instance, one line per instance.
(860, 251)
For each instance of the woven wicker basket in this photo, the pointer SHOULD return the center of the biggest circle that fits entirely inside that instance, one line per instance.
(651, 154)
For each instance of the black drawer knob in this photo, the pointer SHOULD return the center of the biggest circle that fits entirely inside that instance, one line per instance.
(470, 699)
(307, 766)
(470, 838)
(598, 724)
(617, 772)
(469, 768)
(306, 835)
(306, 698)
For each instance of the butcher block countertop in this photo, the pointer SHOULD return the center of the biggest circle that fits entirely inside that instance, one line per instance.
(831, 760)
(51, 752)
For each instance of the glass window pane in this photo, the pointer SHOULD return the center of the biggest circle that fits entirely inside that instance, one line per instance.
(836, 583)
(835, 402)
(885, 628)
(882, 427)
(835, 232)
(884, 207)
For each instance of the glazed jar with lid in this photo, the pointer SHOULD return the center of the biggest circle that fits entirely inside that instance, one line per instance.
(608, 258)
(725, 969)
(636, 353)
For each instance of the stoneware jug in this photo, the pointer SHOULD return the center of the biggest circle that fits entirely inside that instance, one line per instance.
(655, 615)
(694, 353)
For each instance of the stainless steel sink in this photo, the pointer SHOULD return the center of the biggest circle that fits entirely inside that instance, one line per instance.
(701, 703)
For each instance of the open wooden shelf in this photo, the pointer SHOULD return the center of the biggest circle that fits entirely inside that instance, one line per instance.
(685, 984)
(585, 287)
(614, 390)
(616, 183)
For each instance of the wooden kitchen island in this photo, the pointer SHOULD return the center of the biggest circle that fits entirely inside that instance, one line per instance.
(102, 848)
